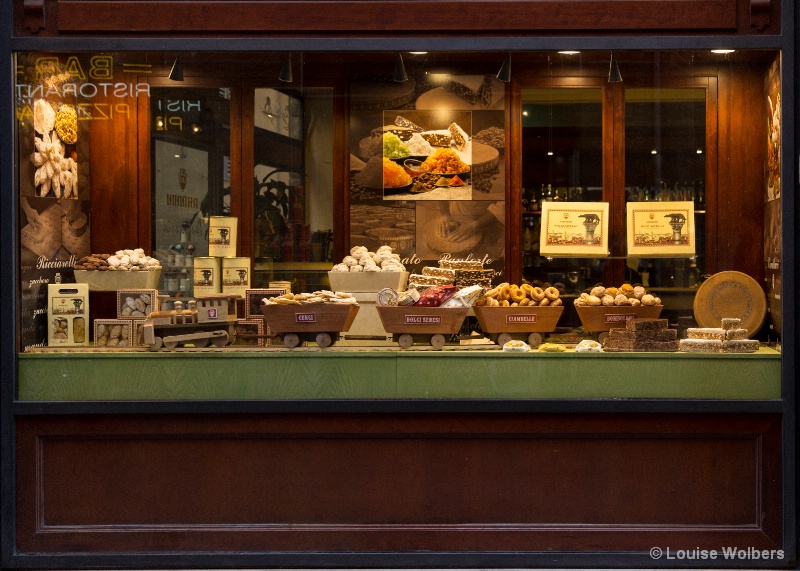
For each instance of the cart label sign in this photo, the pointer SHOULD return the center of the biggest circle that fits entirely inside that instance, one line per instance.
(619, 317)
(527, 318)
(423, 319)
(305, 317)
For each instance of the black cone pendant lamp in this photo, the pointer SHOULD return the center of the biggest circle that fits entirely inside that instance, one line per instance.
(176, 74)
(286, 69)
(400, 74)
(614, 76)
(505, 70)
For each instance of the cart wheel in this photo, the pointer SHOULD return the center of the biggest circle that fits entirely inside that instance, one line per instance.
(602, 337)
(405, 341)
(221, 340)
(535, 339)
(503, 338)
(438, 341)
(157, 344)
(291, 340)
(324, 339)
(201, 343)
(170, 344)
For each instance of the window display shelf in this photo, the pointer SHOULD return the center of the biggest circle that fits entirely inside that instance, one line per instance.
(311, 373)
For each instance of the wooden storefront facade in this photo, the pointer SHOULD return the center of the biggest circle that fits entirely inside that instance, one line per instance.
(393, 459)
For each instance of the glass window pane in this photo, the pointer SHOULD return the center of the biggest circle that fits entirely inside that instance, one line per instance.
(665, 139)
(190, 147)
(562, 158)
(293, 202)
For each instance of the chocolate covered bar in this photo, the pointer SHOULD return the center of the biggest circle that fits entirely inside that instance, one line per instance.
(646, 335)
(639, 345)
(646, 324)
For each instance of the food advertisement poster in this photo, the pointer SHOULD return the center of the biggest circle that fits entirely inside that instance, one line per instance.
(661, 229)
(429, 155)
(773, 132)
(427, 173)
(574, 229)
(54, 205)
(773, 226)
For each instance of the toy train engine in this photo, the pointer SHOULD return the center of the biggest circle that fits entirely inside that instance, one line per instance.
(205, 319)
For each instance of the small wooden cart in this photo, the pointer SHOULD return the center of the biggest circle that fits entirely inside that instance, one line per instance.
(527, 323)
(410, 324)
(320, 322)
(600, 319)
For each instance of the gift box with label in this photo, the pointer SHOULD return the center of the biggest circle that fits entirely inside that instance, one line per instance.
(67, 315)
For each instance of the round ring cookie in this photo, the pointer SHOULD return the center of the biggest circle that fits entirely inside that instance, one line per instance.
(517, 294)
(551, 293)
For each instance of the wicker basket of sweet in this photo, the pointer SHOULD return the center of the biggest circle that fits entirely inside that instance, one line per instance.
(509, 312)
(605, 308)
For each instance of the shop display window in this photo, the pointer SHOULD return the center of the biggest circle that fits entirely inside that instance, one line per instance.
(274, 184)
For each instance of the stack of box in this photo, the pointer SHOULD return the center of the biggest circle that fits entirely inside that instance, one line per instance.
(221, 271)
(133, 307)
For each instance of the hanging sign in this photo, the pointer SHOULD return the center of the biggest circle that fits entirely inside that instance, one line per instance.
(661, 229)
(574, 229)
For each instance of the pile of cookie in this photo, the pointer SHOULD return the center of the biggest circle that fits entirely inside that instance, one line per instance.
(362, 260)
(626, 294)
(128, 260)
(512, 295)
(320, 296)
(107, 335)
(135, 305)
(731, 337)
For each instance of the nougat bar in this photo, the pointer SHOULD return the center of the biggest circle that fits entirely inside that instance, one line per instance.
(706, 333)
(731, 322)
(700, 345)
(736, 334)
(439, 272)
(740, 346)
(461, 264)
(419, 279)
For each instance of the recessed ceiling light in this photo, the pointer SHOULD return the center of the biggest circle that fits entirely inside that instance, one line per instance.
(722, 51)
(569, 52)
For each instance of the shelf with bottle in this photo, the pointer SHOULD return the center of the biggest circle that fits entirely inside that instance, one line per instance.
(532, 200)
(690, 191)
(177, 267)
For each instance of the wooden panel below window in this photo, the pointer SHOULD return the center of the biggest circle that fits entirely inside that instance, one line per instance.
(397, 482)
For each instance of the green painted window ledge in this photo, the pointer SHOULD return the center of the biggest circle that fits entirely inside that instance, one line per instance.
(325, 374)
